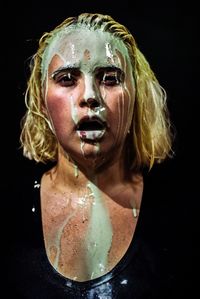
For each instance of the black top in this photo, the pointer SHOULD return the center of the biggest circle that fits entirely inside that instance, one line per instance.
(147, 270)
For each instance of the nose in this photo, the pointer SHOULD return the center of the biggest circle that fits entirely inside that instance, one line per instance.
(91, 93)
(91, 103)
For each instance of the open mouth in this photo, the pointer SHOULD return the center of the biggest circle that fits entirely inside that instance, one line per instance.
(91, 128)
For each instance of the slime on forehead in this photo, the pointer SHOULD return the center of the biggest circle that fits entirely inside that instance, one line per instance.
(87, 47)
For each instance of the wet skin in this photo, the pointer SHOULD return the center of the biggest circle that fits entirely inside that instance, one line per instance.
(89, 96)
(85, 86)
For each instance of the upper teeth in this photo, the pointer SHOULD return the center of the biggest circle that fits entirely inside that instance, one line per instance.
(91, 135)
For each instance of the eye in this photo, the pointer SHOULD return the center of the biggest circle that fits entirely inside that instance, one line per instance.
(66, 78)
(110, 78)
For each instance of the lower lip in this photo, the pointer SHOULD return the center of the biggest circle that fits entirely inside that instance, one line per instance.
(91, 135)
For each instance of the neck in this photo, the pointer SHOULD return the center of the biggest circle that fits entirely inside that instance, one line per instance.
(69, 173)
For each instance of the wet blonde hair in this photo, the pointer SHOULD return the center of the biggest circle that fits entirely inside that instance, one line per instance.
(150, 136)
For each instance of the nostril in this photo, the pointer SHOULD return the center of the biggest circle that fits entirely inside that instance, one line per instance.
(91, 102)
(83, 104)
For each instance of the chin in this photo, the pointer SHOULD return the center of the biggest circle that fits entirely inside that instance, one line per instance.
(91, 156)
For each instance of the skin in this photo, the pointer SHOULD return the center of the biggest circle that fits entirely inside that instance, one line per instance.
(102, 80)
(87, 225)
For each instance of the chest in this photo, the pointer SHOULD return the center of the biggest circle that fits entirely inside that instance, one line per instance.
(83, 238)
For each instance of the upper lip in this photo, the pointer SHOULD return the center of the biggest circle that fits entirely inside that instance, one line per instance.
(90, 120)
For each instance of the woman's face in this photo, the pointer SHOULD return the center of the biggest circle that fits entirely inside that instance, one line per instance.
(89, 93)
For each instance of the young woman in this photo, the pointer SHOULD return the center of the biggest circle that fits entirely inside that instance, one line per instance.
(96, 110)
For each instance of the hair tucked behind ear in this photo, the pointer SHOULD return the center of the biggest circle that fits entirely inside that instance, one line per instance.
(151, 135)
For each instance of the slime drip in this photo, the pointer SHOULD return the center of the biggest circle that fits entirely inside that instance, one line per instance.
(82, 146)
(75, 170)
(74, 111)
(99, 236)
(97, 147)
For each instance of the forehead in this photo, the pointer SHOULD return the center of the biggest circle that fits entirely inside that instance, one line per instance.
(85, 46)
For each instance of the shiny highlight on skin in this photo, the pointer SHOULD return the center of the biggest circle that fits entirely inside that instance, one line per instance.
(99, 235)
(54, 245)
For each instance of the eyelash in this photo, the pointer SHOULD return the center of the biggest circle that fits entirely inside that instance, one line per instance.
(68, 79)
(110, 79)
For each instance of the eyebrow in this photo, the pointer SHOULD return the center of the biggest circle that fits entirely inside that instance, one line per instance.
(109, 68)
(70, 67)
(75, 67)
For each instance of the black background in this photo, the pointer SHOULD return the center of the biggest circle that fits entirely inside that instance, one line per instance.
(167, 34)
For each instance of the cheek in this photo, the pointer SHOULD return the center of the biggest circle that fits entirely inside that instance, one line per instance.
(58, 108)
(120, 108)
(119, 105)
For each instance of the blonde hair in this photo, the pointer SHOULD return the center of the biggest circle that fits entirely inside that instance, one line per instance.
(150, 137)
